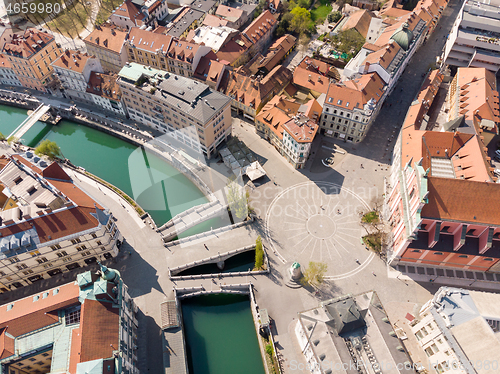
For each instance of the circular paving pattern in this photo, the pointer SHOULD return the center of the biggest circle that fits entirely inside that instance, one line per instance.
(319, 221)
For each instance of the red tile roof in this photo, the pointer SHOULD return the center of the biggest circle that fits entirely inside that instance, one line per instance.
(110, 38)
(231, 14)
(28, 44)
(261, 26)
(302, 133)
(76, 345)
(214, 21)
(148, 41)
(27, 315)
(360, 21)
(99, 330)
(72, 60)
(462, 200)
(357, 92)
(104, 85)
(54, 171)
(7, 345)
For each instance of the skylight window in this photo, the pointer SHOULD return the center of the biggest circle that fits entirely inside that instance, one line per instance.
(339, 102)
(347, 104)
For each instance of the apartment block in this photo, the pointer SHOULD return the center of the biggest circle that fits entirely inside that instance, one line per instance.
(298, 135)
(73, 70)
(457, 329)
(48, 225)
(128, 15)
(107, 44)
(250, 95)
(474, 40)
(183, 57)
(30, 54)
(88, 325)
(147, 48)
(169, 102)
(260, 31)
(105, 92)
(350, 107)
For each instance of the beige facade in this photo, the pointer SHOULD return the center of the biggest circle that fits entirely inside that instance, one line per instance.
(198, 115)
(106, 43)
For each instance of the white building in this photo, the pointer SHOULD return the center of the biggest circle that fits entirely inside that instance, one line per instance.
(298, 135)
(106, 93)
(48, 225)
(7, 75)
(213, 37)
(73, 70)
(474, 40)
(459, 332)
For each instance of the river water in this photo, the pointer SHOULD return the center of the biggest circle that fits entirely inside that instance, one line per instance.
(158, 187)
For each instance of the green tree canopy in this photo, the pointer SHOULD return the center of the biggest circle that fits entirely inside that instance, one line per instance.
(49, 149)
(300, 21)
(314, 275)
(2, 137)
(259, 253)
(237, 199)
(334, 17)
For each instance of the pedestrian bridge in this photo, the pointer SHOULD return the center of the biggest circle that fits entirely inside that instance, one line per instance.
(191, 218)
(30, 121)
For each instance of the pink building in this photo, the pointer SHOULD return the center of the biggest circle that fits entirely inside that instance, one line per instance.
(443, 200)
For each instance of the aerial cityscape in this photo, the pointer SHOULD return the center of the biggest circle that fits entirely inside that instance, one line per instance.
(249, 186)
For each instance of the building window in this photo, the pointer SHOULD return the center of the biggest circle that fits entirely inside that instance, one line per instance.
(72, 315)
(75, 241)
(62, 254)
(41, 260)
(81, 248)
(94, 235)
(21, 266)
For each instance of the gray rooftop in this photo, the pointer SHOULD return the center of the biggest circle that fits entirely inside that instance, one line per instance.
(188, 96)
(370, 346)
(182, 24)
(202, 5)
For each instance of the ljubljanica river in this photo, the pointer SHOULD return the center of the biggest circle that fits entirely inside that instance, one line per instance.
(158, 187)
(220, 335)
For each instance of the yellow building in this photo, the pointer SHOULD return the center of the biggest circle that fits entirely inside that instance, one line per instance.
(147, 48)
(106, 43)
(31, 54)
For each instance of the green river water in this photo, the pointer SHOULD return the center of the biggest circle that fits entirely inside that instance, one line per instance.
(220, 334)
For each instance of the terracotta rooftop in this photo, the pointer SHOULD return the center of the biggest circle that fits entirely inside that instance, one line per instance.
(214, 21)
(110, 38)
(251, 92)
(477, 94)
(231, 14)
(209, 69)
(27, 44)
(233, 49)
(261, 26)
(72, 60)
(312, 74)
(104, 85)
(99, 330)
(355, 93)
(360, 21)
(302, 131)
(274, 119)
(277, 51)
(25, 315)
(182, 50)
(384, 56)
(462, 200)
(148, 41)
(4, 62)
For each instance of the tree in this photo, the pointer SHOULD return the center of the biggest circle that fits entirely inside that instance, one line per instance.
(334, 17)
(2, 137)
(237, 199)
(300, 21)
(49, 149)
(260, 8)
(259, 253)
(12, 140)
(350, 41)
(314, 275)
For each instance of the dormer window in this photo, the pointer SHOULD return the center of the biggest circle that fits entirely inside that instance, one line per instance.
(18, 180)
(339, 102)
(32, 190)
